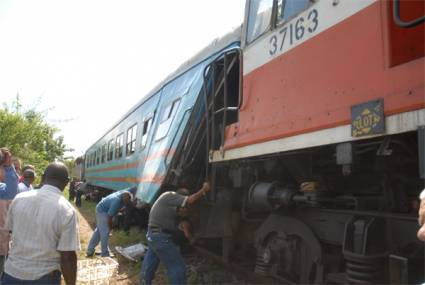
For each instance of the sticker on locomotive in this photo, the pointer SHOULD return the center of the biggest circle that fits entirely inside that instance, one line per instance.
(368, 118)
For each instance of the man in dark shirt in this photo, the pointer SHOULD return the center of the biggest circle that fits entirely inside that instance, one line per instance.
(162, 225)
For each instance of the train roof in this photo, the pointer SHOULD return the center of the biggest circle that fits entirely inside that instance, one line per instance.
(215, 46)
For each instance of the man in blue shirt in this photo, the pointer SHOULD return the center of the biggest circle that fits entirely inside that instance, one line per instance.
(105, 211)
(8, 190)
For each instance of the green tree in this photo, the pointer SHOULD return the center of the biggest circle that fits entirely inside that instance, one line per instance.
(70, 163)
(29, 137)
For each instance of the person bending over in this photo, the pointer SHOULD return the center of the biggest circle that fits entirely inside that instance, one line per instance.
(162, 225)
(107, 208)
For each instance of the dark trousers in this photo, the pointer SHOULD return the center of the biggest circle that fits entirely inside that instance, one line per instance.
(78, 199)
(53, 278)
(71, 195)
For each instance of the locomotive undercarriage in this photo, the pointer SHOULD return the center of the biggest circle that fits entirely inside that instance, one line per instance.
(331, 214)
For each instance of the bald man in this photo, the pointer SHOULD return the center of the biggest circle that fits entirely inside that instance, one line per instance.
(45, 236)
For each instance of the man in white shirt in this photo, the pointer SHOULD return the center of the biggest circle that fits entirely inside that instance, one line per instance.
(45, 236)
(26, 184)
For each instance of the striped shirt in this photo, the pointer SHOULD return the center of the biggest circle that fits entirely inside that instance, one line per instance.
(43, 223)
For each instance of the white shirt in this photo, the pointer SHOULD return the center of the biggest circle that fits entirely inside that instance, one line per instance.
(23, 188)
(422, 195)
(43, 223)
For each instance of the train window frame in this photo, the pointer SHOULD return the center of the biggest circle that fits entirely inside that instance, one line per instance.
(131, 141)
(98, 152)
(253, 19)
(146, 127)
(119, 146)
(111, 145)
(167, 119)
(281, 6)
(104, 153)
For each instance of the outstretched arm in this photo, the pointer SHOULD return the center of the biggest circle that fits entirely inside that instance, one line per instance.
(198, 195)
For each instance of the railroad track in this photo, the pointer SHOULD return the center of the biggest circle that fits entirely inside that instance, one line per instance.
(240, 271)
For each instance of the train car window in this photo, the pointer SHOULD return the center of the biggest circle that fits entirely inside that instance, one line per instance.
(147, 124)
(167, 118)
(98, 156)
(287, 9)
(110, 149)
(103, 153)
(131, 140)
(259, 18)
(119, 143)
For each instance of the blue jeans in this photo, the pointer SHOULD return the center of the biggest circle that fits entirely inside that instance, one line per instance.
(48, 279)
(101, 233)
(162, 248)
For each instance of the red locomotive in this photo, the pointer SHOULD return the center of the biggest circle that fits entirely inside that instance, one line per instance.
(315, 138)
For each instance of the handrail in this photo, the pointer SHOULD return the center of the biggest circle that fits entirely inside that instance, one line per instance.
(207, 123)
(232, 109)
(225, 94)
(399, 22)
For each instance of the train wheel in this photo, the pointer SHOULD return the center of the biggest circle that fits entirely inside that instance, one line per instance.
(288, 250)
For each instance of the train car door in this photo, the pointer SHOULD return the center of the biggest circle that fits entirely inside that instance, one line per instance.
(174, 108)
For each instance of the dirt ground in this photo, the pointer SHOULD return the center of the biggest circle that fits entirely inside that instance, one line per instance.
(200, 270)
(127, 270)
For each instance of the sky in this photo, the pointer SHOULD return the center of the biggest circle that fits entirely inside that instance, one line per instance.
(85, 63)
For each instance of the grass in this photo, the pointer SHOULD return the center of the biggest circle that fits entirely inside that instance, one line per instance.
(66, 192)
(119, 237)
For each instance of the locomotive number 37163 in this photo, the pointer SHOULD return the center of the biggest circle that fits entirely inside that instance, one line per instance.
(297, 31)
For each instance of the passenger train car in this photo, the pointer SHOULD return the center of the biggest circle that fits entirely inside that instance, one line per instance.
(136, 151)
(309, 122)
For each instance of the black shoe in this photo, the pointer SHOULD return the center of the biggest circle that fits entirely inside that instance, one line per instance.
(89, 254)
